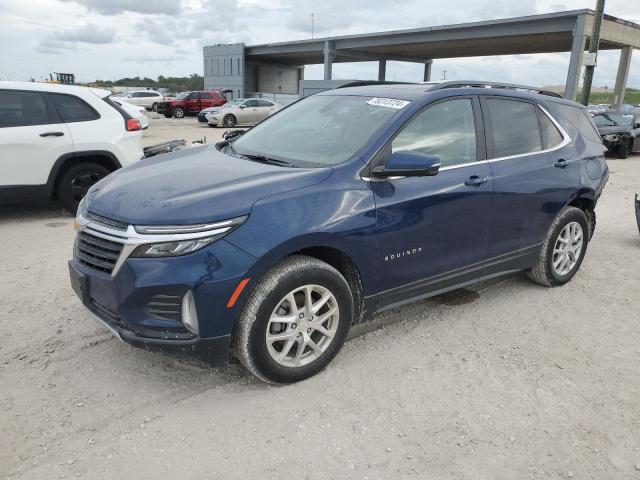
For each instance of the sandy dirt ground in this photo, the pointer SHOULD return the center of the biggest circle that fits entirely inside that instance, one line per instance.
(508, 380)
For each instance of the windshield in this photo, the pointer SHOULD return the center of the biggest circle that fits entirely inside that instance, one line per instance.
(613, 120)
(233, 103)
(318, 131)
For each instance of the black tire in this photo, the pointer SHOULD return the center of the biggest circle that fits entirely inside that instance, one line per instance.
(250, 344)
(624, 149)
(543, 272)
(76, 181)
(212, 126)
(167, 115)
(229, 121)
(178, 112)
(154, 107)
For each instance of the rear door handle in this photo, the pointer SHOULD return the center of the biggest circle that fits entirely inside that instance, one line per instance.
(51, 134)
(562, 163)
(476, 181)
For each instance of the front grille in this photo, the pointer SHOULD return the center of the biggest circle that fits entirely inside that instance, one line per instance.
(106, 221)
(202, 118)
(97, 253)
(166, 307)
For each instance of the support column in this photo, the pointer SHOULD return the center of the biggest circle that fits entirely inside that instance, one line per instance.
(621, 77)
(329, 55)
(575, 63)
(382, 70)
(427, 70)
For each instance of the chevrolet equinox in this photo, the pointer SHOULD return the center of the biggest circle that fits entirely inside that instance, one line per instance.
(272, 244)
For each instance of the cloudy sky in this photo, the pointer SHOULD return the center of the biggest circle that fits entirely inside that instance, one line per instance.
(110, 39)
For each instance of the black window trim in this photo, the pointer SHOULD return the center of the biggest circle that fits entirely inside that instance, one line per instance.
(59, 117)
(52, 114)
(566, 139)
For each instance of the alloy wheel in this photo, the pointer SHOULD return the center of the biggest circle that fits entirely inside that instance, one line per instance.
(302, 326)
(566, 251)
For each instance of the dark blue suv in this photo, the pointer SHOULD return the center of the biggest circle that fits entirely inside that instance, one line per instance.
(271, 245)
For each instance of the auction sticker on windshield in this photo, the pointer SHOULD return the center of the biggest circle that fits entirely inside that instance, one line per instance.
(388, 102)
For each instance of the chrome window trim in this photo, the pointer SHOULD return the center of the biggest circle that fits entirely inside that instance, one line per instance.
(131, 239)
(566, 140)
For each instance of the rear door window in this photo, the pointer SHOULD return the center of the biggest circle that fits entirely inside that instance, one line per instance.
(72, 109)
(22, 108)
(515, 127)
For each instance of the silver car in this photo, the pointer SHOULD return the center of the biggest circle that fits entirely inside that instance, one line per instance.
(241, 111)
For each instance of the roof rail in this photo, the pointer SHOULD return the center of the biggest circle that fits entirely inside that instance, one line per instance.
(506, 86)
(364, 83)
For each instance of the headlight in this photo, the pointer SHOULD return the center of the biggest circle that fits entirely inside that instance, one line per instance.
(82, 208)
(611, 137)
(183, 239)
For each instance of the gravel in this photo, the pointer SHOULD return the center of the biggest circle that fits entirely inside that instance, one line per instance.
(505, 380)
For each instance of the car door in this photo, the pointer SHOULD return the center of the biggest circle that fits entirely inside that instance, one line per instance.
(206, 101)
(30, 140)
(82, 120)
(265, 108)
(251, 112)
(432, 230)
(535, 170)
(192, 102)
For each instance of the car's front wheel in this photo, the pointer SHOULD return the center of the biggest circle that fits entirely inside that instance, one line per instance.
(563, 249)
(229, 121)
(295, 321)
(178, 112)
(76, 181)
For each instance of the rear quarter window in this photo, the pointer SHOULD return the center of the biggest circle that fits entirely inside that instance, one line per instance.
(574, 120)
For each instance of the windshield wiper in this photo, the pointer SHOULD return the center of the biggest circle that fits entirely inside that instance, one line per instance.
(265, 159)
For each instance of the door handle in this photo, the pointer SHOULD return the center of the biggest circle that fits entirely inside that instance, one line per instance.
(562, 163)
(51, 134)
(476, 181)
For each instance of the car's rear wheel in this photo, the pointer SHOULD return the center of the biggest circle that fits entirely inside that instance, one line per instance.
(295, 321)
(178, 112)
(76, 181)
(154, 107)
(229, 121)
(624, 149)
(563, 249)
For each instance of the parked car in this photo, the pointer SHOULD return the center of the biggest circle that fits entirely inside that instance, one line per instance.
(142, 98)
(135, 112)
(620, 132)
(241, 111)
(58, 140)
(346, 203)
(190, 103)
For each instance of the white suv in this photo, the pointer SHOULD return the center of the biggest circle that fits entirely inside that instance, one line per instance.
(148, 99)
(58, 140)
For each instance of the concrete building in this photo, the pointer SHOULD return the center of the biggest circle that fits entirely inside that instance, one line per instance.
(277, 68)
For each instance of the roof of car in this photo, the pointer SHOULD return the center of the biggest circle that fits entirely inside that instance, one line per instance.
(414, 91)
(52, 87)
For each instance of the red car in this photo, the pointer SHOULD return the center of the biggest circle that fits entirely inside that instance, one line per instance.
(190, 103)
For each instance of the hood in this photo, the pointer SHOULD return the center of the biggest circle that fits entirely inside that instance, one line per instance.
(195, 185)
(614, 129)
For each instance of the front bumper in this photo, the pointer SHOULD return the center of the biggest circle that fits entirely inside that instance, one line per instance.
(202, 118)
(163, 108)
(142, 302)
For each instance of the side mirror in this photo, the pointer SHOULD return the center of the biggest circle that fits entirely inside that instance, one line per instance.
(242, 106)
(409, 164)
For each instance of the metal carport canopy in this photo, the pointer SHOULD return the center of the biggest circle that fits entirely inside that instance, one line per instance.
(554, 32)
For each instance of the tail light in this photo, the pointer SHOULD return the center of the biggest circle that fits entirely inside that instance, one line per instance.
(133, 124)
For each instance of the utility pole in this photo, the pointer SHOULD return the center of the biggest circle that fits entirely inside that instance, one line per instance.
(444, 75)
(312, 25)
(593, 49)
